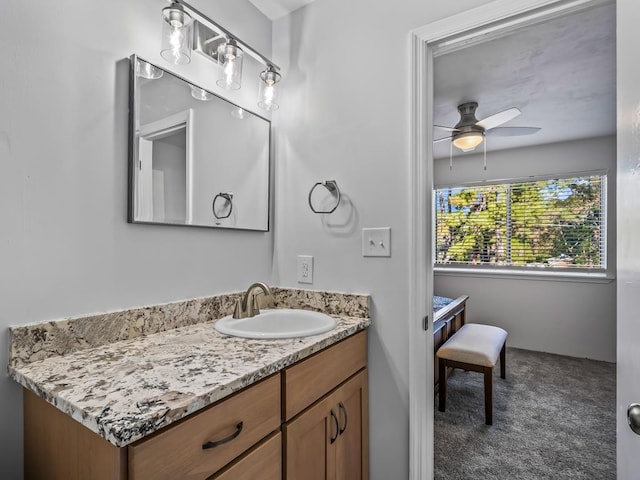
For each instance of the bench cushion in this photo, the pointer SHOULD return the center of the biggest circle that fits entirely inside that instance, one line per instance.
(475, 344)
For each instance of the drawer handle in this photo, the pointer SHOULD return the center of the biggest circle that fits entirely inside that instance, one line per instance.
(346, 419)
(335, 420)
(217, 443)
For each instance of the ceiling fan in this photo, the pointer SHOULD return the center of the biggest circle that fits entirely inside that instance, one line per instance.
(469, 132)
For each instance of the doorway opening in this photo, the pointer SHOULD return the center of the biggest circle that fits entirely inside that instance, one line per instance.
(480, 25)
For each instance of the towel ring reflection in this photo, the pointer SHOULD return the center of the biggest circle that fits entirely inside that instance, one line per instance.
(330, 185)
(228, 196)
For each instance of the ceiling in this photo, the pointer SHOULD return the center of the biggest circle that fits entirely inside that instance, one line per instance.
(561, 74)
(277, 8)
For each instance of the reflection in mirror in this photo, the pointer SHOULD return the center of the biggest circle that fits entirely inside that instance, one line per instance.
(195, 158)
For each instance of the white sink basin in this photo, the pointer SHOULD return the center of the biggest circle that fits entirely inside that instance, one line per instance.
(277, 323)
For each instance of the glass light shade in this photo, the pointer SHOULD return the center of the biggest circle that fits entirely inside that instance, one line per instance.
(230, 59)
(177, 35)
(146, 70)
(200, 94)
(468, 141)
(267, 91)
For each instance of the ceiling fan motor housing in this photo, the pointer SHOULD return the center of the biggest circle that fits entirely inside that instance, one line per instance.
(468, 119)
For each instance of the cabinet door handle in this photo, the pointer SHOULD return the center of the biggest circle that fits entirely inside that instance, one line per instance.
(346, 419)
(224, 440)
(335, 421)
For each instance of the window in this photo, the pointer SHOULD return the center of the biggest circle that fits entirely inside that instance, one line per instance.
(550, 224)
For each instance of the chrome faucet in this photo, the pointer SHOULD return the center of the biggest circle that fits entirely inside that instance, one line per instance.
(247, 306)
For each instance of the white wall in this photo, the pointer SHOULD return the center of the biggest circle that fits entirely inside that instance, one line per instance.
(575, 318)
(345, 115)
(66, 248)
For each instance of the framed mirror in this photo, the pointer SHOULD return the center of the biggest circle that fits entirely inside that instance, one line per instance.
(195, 159)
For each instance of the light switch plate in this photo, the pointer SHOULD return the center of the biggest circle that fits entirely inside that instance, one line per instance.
(305, 269)
(376, 242)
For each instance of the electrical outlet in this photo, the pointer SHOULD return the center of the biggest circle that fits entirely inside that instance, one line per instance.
(376, 242)
(305, 269)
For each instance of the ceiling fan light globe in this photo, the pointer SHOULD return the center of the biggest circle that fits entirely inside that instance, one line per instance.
(468, 141)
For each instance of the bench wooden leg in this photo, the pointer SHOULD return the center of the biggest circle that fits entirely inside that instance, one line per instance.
(442, 384)
(503, 358)
(488, 395)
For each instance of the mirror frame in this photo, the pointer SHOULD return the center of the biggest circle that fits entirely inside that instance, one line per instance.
(133, 153)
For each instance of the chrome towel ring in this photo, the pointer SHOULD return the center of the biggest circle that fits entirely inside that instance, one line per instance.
(330, 185)
(228, 197)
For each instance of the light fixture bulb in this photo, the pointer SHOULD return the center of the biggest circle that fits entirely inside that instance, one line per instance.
(176, 35)
(468, 141)
(267, 89)
(230, 58)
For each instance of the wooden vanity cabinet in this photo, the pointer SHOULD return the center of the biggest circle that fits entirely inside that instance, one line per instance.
(328, 439)
(56, 447)
(59, 448)
(308, 421)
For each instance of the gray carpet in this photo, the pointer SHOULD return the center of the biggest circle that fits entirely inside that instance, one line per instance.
(553, 418)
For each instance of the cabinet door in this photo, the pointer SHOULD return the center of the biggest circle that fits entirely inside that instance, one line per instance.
(309, 451)
(329, 441)
(352, 460)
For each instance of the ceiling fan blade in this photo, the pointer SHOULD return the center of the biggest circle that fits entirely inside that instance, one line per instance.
(441, 139)
(450, 129)
(499, 118)
(512, 131)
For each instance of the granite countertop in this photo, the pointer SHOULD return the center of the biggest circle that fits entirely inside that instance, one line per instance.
(128, 389)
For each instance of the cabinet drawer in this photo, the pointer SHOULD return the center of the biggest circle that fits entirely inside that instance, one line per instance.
(310, 379)
(177, 451)
(264, 462)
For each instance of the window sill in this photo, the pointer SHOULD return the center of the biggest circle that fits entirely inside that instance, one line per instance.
(577, 277)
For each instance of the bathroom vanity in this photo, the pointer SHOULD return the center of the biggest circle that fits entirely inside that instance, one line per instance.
(191, 403)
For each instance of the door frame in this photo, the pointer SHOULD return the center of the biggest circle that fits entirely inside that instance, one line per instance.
(495, 19)
(148, 133)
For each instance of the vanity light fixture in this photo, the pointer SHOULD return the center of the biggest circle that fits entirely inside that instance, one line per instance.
(267, 99)
(186, 29)
(177, 34)
(230, 60)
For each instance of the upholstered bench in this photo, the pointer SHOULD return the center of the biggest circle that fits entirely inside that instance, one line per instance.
(474, 347)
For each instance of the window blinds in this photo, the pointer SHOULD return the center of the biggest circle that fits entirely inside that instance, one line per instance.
(551, 223)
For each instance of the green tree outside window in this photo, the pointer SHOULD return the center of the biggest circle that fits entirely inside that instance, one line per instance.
(555, 223)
